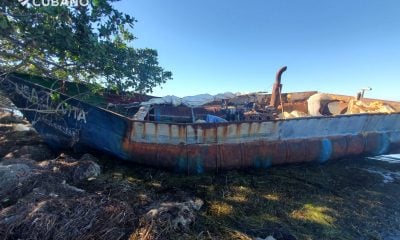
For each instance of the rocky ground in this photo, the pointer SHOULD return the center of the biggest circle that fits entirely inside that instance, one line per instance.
(48, 195)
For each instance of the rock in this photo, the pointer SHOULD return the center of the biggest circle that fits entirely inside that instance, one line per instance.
(11, 176)
(174, 214)
(72, 170)
(85, 170)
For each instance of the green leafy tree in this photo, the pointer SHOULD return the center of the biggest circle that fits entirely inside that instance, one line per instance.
(77, 43)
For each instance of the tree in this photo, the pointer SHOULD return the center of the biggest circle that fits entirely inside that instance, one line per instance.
(77, 43)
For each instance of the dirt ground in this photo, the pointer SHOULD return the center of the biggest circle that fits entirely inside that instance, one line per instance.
(73, 197)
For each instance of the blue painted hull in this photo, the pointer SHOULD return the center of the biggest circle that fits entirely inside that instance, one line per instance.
(65, 122)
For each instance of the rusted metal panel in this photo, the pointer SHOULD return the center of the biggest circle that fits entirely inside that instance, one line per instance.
(230, 156)
(296, 151)
(202, 158)
(148, 132)
(196, 148)
(173, 157)
(300, 128)
(277, 151)
(257, 154)
(355, 145)
(313, 149)
(377, 144)
(339, 147)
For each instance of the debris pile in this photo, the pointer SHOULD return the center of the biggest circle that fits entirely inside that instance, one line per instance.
(356, 107)
(293, 114)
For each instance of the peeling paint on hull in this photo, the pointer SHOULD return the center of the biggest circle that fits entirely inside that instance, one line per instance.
(198, 148)
(206, 147)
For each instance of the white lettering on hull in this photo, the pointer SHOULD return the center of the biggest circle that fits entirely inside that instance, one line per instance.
(44, 103)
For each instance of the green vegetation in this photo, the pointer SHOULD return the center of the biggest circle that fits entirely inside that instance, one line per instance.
(77, 43)
(89, 92)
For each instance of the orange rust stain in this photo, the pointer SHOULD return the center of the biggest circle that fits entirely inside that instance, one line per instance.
(250, 129)
(126, 144)
(204, 134)
(158, 155)
(215, 132)
(225, 132)
(182, 132)
(169, 131)
(356, 145)
(340, 147)
(156, 131)
(144, 132)
(196, 137)
(238, 128)
(132, 131)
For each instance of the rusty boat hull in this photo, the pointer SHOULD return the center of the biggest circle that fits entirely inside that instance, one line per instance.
(66, 122)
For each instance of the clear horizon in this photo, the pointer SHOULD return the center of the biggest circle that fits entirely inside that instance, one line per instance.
(237, 46)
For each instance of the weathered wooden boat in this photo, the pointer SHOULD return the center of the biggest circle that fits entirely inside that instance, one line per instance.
(172, 137)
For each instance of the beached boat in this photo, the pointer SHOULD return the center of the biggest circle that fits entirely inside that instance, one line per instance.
(207, 133)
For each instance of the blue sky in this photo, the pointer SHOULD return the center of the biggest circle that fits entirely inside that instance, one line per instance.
(214, 46)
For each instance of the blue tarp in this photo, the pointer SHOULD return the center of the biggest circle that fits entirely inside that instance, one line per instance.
(214, 119)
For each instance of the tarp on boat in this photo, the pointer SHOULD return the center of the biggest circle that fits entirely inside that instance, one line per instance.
(190, 101)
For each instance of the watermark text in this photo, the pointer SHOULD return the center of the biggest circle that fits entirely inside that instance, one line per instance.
(54, 3)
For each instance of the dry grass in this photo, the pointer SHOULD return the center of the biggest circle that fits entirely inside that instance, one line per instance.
(338, 200)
